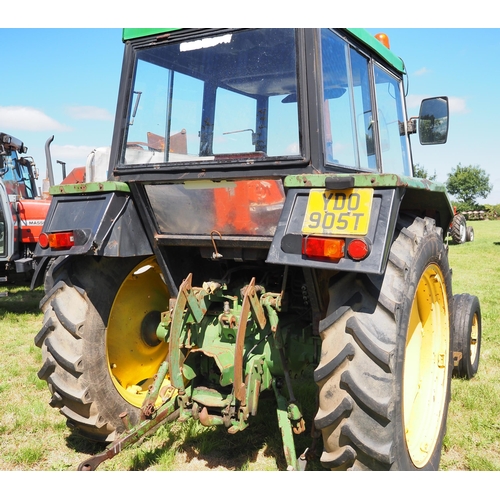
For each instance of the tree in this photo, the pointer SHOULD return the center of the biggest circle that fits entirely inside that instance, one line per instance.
(468, 184)
(421, 173)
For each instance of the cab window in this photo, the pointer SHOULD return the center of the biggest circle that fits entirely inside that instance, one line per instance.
(393, 139)
(349, 135)
(229, 96)
(357, 126)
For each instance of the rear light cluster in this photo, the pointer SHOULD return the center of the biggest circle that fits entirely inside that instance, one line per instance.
(334, 249)
(57, 241)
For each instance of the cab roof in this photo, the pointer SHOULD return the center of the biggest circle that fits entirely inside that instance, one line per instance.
(361, 34)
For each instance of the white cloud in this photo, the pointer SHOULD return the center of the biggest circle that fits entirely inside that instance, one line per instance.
(458, 105)
(89, 113)
(69, 153)
(422, 71)
(27, 118)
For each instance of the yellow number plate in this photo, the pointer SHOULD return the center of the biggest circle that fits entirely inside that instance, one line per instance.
(345, 212)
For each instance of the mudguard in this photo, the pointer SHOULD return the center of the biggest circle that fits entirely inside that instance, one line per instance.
(103, 219)
(391, 195)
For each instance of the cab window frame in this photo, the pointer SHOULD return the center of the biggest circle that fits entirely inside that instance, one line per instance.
(376, 155)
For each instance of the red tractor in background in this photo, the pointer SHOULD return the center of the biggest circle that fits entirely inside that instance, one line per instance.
(22, 209)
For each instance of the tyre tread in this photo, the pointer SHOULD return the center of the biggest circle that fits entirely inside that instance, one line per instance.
(378, 408)
(65, 307)
(368, 343)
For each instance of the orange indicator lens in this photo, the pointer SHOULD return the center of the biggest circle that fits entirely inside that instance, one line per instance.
(61, 241)
(325, 248)
(383, 39)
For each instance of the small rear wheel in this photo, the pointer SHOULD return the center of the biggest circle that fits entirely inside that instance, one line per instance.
(458, 229)
(470, 233)
(467, 337)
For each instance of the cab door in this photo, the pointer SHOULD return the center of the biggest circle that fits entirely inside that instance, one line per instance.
(6, 226)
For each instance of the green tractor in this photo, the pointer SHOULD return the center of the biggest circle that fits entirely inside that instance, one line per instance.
(258, 221)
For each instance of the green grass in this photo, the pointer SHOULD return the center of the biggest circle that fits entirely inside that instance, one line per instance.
(473, 437)
(34, 436)
(31, 432)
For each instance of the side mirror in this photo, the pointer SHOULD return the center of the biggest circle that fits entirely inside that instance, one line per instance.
(433, 121)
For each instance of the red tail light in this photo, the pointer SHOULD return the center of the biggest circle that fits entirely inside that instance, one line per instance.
(358, 249)
(43, 240)
(57, 241)
(325, 248)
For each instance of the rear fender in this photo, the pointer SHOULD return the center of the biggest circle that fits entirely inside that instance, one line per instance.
(103, 218)
(392, 195)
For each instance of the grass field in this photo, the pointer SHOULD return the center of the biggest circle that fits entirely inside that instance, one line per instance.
(473, 437)
(34, 436)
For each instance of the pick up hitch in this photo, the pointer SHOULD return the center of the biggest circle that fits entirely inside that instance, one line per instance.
(197, 331)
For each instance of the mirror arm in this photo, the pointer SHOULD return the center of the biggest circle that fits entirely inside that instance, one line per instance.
(411, 125)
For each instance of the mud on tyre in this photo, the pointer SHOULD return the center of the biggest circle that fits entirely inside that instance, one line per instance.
(98, 340)
(386, 360)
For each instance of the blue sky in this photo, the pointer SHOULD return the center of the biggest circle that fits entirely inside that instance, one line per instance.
(64, 82)
(462, 64)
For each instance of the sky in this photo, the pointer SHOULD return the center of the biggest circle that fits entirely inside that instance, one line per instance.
(63, 81)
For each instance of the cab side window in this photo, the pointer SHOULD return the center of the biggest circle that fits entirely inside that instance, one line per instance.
(393, 142)
(356, 127)
(349, 134)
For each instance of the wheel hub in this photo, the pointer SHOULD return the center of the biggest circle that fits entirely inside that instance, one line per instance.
(134, 351)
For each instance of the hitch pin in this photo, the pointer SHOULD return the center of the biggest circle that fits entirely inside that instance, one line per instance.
(216, 255)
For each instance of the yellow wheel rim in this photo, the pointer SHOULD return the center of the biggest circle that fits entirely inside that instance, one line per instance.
(474, 337)
(425, 376)
(134, 352)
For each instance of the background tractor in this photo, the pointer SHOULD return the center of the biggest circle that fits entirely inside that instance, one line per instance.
(258, 218)
(22, 208)
(22, 211)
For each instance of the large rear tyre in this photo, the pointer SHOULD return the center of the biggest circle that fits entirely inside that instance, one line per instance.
(98, 340)
(386, 359)
(467, 334)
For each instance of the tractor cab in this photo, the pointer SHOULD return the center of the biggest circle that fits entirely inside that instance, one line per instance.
(18, 173)
(218, 122)
(21, 211)
(254, 100)
(16, 181)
